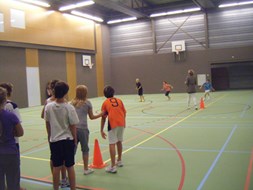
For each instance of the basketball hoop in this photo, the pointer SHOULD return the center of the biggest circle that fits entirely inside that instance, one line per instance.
(177, 52)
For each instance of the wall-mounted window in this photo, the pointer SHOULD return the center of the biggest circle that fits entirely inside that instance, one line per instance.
(1, 22)
(17, 19)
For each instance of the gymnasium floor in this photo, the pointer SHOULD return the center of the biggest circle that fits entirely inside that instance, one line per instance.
(166, 146)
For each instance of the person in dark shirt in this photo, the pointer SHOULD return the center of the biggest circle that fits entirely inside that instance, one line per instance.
(191, 83)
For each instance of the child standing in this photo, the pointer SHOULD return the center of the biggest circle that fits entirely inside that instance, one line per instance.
(83, 108)
(208, 88)
(12, 107)
(115, 110)
(167, 88)
(139, 90)
(61, 119)
(9, 154)
(64, 181)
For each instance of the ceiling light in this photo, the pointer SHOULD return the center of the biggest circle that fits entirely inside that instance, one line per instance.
(87, 16)
(235, 4)
(73, 6)
(175, 12)
(121, 20)
(36, 2)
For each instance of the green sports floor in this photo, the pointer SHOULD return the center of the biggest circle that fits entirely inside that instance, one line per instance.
(166, 146)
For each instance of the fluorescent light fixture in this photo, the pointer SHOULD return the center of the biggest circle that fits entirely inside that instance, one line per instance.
(121, 20)
(77, 13)
(175, 12)
(235, 4)
(36, 2)
(73, 6)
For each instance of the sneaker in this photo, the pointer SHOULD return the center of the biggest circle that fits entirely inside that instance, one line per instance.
(119, 164)
(87, 172)
(65, 183)
(110, 169)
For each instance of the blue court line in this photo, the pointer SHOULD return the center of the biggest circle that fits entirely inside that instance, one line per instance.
(216, 159)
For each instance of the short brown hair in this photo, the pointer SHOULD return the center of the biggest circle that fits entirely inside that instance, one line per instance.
(8, 87)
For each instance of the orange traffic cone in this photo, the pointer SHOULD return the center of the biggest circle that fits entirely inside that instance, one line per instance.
(97, 157)
(202, 104)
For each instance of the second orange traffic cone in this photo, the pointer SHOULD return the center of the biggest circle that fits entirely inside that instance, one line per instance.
(202, 104)
(97, 157)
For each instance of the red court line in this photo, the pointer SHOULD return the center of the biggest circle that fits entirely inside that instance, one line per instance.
(183, 168)
(22, 152)
(247, 182)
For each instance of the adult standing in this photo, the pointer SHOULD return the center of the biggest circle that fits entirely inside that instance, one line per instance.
(191, 83)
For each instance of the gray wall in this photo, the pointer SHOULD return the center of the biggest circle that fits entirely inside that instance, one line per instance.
(153, 69)
(13, 69)
(143, 48)
(86, 76)
(52, 65)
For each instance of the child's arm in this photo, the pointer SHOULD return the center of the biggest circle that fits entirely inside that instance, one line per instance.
(103, 119)
(92, 116)
(48, 130)
(73, 132)
(18, 131)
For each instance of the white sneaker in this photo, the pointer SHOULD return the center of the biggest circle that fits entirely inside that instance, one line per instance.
(110, 169)
(119, 164)
(87, 172)
(64, 183)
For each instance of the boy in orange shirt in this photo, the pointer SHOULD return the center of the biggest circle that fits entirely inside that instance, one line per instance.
(116, 113)
(167, 88)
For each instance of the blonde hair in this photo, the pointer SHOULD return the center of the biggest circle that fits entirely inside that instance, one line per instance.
(81, 96)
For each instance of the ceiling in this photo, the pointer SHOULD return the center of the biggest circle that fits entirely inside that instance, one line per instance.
(119, 9)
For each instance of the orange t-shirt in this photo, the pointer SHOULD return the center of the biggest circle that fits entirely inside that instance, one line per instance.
(166, 87)
(116, 112)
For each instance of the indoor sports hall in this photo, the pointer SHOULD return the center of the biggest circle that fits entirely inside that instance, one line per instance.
(169, 143)
(166, 146)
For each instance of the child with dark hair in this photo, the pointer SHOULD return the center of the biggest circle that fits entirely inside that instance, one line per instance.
(167, 88)
(64, 180)
(208, 88)
(116, 113)
(61, 120)
(12, 107)
(9, 154)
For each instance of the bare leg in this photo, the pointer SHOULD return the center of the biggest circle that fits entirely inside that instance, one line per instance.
(119, 149)
(85, 161)
(112, 154)
(72, 177)
(63, 172)
(56, 177)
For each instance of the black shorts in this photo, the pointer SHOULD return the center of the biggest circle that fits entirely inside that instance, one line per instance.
(63, 153)
(167, 93)
(140, 92)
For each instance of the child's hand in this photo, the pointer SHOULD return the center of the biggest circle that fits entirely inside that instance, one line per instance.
(103, 134)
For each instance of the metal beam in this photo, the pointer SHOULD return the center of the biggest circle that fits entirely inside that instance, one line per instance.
(204, 4)
(120, 8)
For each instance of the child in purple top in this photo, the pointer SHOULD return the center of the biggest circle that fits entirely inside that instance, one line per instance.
(9, 155)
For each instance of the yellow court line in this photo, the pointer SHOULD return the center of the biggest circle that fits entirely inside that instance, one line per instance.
(171, 126)
(142, 142)
(34, 158)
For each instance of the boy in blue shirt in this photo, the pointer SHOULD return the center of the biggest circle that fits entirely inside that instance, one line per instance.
(208, 88)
